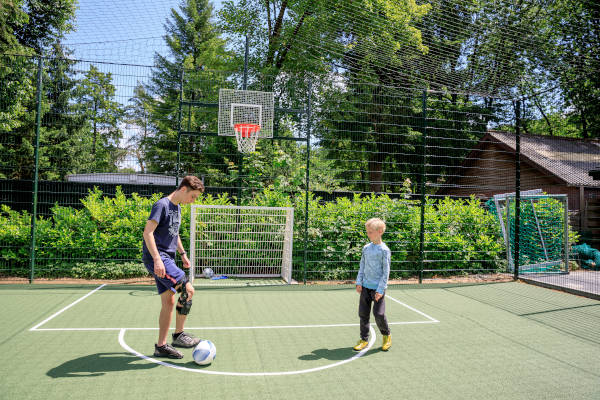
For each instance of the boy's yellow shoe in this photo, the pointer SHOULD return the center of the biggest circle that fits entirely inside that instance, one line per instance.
(361, 345)
(387, 342)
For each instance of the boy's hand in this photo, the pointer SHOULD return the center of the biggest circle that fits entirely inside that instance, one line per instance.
(378, 296)
(358, 288)
(185, 260)
(159, 268)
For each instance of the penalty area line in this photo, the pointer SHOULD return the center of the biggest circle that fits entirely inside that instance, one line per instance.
(431, 319)
(229, 328)
(66, 308)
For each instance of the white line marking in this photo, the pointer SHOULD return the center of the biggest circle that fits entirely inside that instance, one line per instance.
(430, 321)
(67, 307)
(211, 372)
(215, 328)
(413, 309)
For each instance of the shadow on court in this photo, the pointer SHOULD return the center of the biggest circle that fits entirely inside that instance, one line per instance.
(98, 364)
(340, 354)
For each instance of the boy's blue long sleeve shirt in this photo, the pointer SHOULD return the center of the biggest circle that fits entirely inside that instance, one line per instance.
(374, 269)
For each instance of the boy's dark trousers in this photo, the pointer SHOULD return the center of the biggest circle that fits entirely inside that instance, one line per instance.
(367, 296)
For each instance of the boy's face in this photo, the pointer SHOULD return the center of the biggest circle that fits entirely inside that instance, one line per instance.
(374, 234)
(189, 196)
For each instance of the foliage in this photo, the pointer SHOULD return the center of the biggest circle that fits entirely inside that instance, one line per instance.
(107, 232)
(95, 96)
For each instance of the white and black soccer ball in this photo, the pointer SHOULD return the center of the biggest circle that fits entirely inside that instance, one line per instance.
(208, 273)
(205, 352)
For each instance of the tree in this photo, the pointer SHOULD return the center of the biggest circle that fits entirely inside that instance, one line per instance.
(195, 49)
(138, 116)
(95, 94)
(28, 27)
(576, 61)
(12, 17)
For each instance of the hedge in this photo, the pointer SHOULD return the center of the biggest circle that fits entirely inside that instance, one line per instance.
(104, 237)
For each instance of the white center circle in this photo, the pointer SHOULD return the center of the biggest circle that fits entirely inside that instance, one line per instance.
(212, 372)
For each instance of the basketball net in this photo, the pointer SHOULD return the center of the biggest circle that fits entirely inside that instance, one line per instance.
(246, 136)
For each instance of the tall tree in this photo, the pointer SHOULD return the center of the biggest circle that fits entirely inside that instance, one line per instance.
(195, 49)
(95, 95)
(27, 27)
(36, 24)
(575, 64)
(138, 118)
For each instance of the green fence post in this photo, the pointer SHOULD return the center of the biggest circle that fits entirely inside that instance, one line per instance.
(423, 183)
(308, 128)
(36, 156)
(518, 188)
(179, 116)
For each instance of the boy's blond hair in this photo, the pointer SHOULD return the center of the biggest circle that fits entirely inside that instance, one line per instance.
(376, 223)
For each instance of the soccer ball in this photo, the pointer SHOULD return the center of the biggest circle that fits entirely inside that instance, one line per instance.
(208, 273)
(205, 352)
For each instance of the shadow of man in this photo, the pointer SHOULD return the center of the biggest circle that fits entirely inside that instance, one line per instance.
(98, 364)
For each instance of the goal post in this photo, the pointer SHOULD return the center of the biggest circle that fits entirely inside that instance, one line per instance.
(544, 232)
(241, 241)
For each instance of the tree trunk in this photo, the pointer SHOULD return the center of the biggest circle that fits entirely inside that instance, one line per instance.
(375, 172)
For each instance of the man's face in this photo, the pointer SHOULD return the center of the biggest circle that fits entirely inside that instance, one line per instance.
(190, 196)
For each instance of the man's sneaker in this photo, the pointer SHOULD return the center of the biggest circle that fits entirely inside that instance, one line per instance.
(387, 342)
(166, 351)
(185, 340)
(361, 345)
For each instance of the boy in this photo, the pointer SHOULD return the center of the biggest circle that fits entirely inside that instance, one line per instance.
(161, 241)
(371, 283)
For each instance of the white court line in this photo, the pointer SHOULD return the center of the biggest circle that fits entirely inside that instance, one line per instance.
(430, 321)
(213, 372)
(218, 328)
(66, 308)
(413, 309)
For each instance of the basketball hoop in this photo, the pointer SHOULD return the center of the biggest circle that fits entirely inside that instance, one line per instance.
(246, 136)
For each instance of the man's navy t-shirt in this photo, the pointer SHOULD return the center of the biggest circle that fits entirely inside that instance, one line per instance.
(168, 217)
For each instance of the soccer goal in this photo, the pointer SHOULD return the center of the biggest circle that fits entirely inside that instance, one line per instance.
(544, 233)
(241, 241)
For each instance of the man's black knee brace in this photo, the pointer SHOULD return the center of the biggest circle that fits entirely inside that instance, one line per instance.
(183, 304)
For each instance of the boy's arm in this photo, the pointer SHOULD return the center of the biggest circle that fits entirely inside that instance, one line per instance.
(361, 270)
(386, 261)
(181, 250)
(159, 267)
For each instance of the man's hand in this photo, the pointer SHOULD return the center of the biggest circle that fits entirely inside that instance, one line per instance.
(159, 268)
(358, 288)
(378, 296)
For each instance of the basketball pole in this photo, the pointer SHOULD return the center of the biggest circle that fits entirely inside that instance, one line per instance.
(240, 156)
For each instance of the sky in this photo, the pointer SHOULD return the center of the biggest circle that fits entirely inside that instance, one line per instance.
(122, 31)
(121, 37)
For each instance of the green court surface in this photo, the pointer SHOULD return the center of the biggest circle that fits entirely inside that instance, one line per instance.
(494, 341)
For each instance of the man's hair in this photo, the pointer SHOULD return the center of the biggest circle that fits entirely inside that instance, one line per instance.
(191, 183)
(376, 223)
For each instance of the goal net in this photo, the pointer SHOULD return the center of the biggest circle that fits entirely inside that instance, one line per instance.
(241, 241)
(543, 235)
